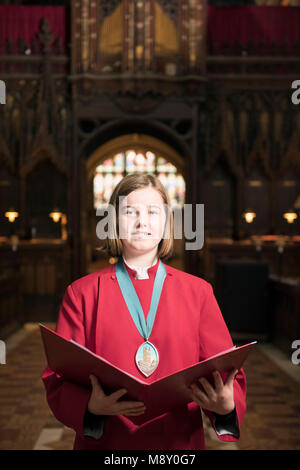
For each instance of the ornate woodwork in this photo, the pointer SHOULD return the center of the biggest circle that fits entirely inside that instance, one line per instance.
(285, 305)
(34, 276)
(141, 36)
(226, 112)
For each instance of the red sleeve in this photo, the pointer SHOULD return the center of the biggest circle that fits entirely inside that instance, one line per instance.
(68, 401)
(215, 338)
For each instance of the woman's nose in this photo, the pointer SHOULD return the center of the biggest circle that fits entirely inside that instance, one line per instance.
(141, 223)
(142, 220)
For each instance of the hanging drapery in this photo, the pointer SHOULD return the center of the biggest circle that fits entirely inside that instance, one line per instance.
(24, 22)
(260, 25)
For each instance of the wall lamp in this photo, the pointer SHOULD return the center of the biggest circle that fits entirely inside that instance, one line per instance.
(56, 215)
(11, 214)
(249, 215)
(290, 216)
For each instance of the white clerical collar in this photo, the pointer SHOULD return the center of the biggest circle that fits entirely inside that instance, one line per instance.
(141, 271)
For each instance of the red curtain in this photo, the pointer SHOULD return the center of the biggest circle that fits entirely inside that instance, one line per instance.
(24, 21)
(253, 23)
(231, 24)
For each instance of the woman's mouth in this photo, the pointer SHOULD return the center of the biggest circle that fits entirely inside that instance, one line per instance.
(140, 233)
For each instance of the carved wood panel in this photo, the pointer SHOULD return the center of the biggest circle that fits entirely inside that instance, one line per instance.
(153, 36)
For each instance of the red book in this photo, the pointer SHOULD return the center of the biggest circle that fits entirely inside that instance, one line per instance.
(76, 363)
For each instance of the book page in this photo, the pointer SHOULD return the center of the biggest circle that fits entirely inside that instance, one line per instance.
(107, 362)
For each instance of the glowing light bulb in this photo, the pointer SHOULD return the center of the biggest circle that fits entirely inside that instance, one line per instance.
(55, 215)
(11, 215)
(249, 216)
(290, 216)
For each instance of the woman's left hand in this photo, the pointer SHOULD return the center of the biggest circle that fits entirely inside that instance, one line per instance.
(218, 399)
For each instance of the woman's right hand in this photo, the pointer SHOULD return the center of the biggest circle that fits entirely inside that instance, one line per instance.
(101, 404)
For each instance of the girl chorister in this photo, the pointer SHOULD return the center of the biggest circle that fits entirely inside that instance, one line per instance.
(150, 320)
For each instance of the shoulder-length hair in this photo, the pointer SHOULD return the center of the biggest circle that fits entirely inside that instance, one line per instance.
(113, 246)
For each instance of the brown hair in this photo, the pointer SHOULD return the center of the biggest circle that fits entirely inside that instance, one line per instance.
(113, 246)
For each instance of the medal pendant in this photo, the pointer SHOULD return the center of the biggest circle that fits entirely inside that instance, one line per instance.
(147, 358)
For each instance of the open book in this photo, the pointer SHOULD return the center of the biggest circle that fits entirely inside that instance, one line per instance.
(76, 363)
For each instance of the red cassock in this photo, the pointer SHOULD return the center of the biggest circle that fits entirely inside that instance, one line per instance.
(188, 327)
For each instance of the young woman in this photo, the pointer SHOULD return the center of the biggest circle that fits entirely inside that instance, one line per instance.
(149, 319)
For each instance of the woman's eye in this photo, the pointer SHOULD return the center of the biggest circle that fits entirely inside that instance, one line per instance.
(154, 210)
(130, 211)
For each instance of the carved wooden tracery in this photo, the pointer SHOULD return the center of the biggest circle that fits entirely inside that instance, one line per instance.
(139, 36)
(243, 121)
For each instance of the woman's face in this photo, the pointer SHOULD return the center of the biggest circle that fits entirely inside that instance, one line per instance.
(142, 220)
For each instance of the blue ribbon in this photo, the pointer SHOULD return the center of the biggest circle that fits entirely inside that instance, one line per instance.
(132, 300)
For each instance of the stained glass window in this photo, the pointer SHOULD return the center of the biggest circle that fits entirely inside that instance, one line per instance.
(111, 171)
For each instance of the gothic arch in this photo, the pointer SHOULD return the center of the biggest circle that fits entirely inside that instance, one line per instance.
(117, 136)
(120, 127)
(42, 154)
(135, 142)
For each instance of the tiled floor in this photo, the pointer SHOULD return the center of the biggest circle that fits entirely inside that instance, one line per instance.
(272, 420)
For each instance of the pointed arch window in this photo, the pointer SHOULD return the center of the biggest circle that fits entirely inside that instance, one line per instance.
(112, 170)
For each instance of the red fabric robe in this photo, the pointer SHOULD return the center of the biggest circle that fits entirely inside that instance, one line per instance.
(188, 328)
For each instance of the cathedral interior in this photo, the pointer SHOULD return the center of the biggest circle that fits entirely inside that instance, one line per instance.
(206, 96)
